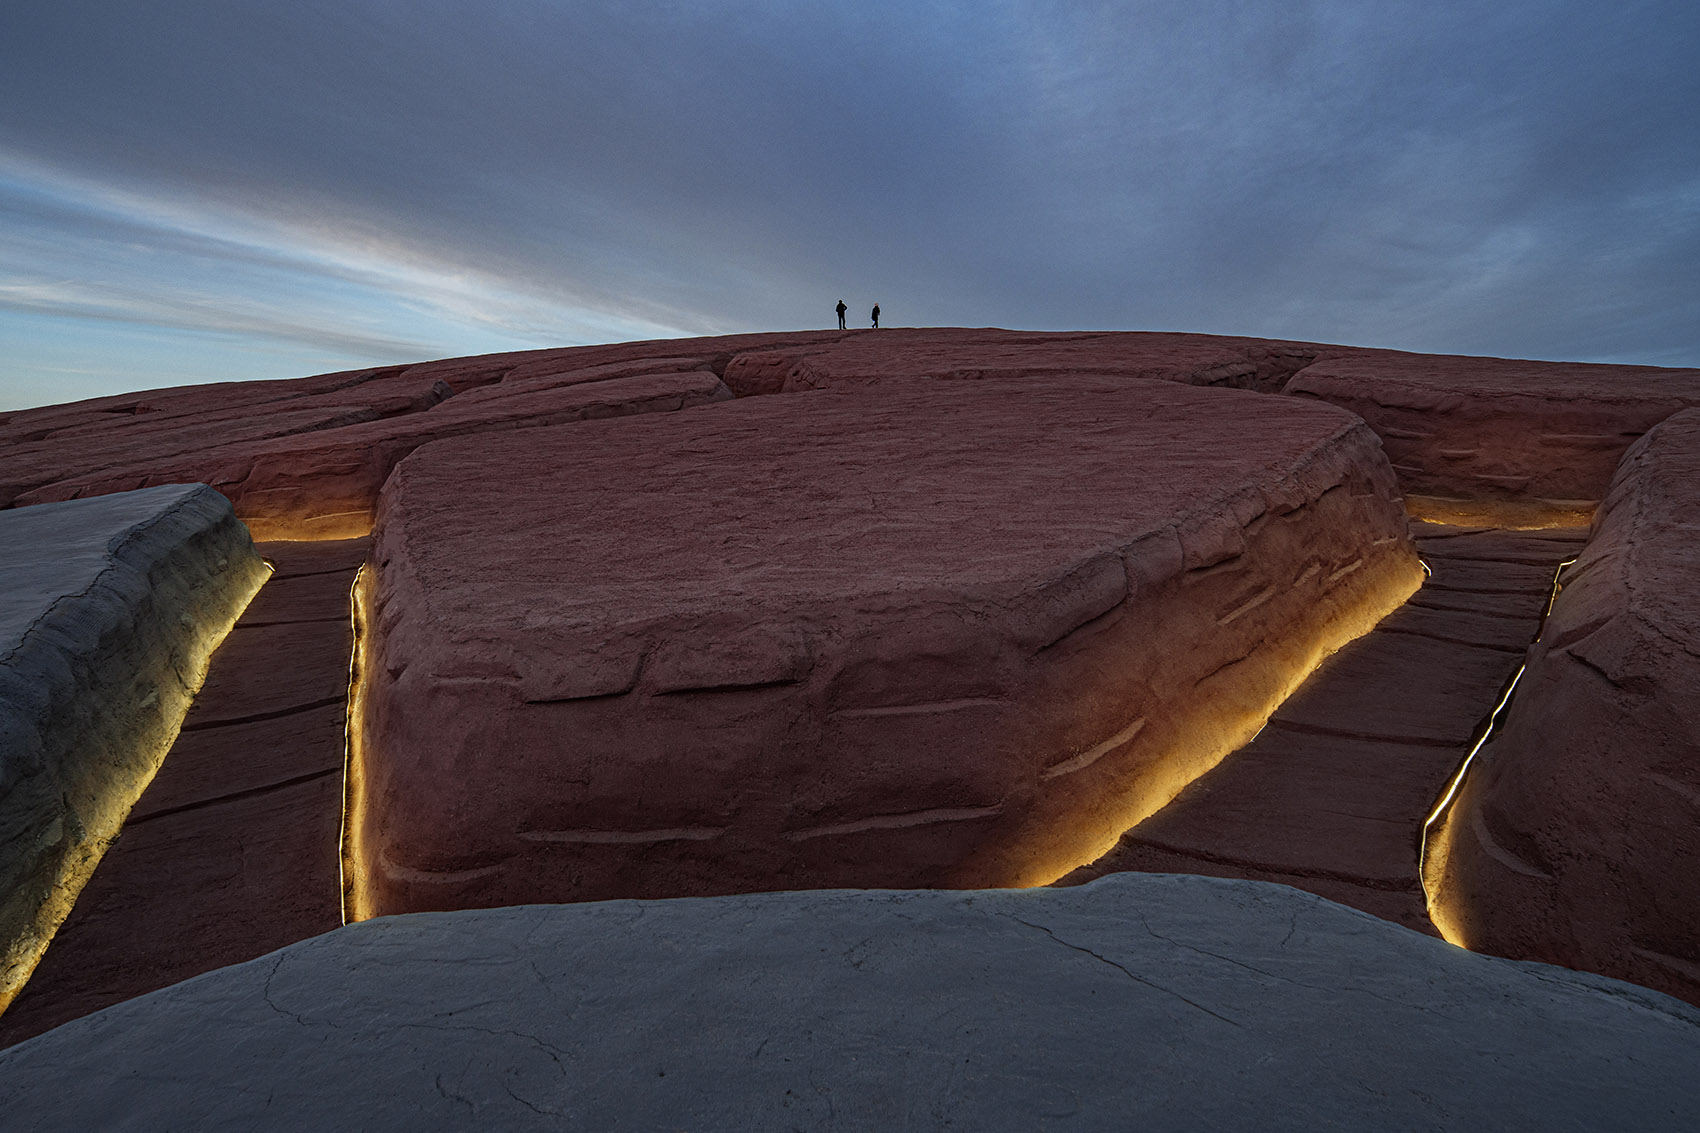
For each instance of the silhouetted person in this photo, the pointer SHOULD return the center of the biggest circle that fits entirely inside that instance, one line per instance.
(841, 309)
(876, 316)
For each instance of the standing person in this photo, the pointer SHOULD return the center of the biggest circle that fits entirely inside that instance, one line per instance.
(841, 309)
(876, 316)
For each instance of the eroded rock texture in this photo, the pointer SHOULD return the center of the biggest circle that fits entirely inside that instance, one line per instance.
(1332, 795)
(109, 609)
(957, 635)
(1496, 441)
(232, 850)
(1576, 837)
(1476, 439)
(1135, 1002)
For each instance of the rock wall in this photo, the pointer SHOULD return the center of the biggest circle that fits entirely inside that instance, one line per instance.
(1576, 836)
(109, 609)
(1497, 442)
(958, 635)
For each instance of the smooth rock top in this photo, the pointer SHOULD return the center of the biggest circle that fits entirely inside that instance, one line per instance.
(1140, 1002)
(987, 489)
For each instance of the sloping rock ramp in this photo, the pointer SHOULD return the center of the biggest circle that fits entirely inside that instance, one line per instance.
(1137, 1002)
(232, 850)
(109, 610)
(958, 635)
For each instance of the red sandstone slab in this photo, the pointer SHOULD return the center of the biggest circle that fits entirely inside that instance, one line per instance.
(218, 764)
(1498, 440)
(1576, 837)
(909, 636)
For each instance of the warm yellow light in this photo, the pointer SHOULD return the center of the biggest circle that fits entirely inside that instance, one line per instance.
(1435, 846)
(1196, 737)
(1507, 515)
(350, 873)
(309, 529)
(20, 955)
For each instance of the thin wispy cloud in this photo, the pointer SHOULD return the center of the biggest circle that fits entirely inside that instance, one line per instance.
(349, 183)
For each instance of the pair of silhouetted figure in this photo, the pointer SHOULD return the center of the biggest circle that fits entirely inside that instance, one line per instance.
(842, 308)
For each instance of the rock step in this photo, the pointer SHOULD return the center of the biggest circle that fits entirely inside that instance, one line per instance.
(232, 851)
(1332, 795)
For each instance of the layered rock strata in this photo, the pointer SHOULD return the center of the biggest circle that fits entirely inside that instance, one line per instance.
(232, 851)
(1476, 439)
(109, 609)
(1576, 836)
(1332, 795)
(961, 635)
(1136, 1002)
(1499, 442)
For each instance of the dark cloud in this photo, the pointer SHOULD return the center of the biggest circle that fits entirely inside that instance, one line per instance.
(1520, 178)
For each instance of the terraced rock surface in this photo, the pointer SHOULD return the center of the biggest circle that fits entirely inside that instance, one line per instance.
(962, 634)
(232, 851)
(1332, 795)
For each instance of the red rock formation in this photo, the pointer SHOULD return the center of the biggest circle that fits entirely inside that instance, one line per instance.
(1495, 441)
(231, 851)
(953, 635)
(1332, 795)
(1576, 836)
(1475, 439)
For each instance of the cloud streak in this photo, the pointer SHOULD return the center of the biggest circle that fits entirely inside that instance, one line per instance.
(369, 178)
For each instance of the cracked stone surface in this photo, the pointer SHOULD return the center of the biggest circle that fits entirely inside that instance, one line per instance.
(1576, 838)
(1140, 1001)
(948, 635)
(232, 849)
(1332, 795)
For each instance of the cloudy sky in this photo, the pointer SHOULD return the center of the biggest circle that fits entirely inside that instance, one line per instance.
(227, 189)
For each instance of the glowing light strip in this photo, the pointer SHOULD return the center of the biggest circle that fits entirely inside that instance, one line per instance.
(348, 726)
(19, 957)
(1495, 720)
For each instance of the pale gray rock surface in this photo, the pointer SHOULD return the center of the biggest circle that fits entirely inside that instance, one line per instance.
(109, 608)
(1136, 1002)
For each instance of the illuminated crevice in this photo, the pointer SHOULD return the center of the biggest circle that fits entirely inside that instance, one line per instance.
(347, 860)
(1434, 846)
(103, 821)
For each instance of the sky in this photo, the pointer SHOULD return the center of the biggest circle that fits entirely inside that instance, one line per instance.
(238, 189)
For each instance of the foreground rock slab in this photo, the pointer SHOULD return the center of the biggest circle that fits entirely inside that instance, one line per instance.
(232, 850)
(961, 635)
(1576, 836)
(1149, 1002)
(109, 609)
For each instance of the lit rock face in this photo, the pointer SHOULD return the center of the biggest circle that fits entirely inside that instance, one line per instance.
(958, 635)
(109, 609)
(1576, 838)
(1495, 441)
(1137, 1002)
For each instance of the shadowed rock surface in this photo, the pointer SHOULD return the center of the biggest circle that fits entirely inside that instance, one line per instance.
(232, 850)
(108, 611)
(960, 635)
(1332, 795)
(1143, 1002)
(1576, 837)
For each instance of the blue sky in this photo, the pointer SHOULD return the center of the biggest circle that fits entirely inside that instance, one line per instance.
(202, 191)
